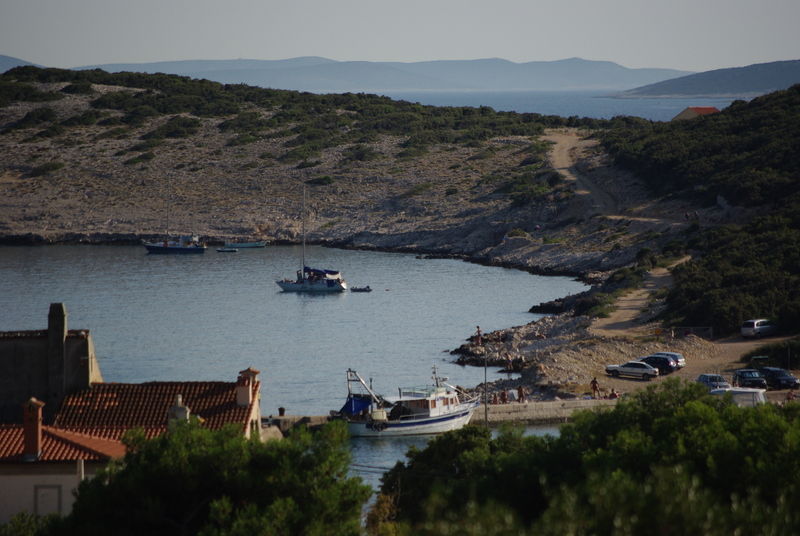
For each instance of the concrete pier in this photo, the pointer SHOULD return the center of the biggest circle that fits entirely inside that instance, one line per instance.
(552, 411)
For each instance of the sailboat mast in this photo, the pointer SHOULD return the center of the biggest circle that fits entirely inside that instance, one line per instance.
(303, 268)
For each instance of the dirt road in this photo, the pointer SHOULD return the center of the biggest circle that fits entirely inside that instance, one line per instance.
(628, 321)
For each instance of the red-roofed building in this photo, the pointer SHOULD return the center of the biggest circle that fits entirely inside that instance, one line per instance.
(40, 466)
(695, 111)
(110, 409)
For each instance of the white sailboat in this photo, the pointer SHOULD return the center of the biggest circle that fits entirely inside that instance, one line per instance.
(312, 279)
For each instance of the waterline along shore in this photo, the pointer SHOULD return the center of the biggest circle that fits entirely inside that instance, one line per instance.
(528, 413)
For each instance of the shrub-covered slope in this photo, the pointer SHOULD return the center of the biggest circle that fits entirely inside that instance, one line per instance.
(746, 155)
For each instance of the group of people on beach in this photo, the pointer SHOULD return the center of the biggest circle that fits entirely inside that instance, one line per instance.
(613, 394)
(503, 397)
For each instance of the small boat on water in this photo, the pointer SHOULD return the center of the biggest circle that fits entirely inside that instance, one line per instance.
(430, 409)
(227, 249)
(184, 244)
(246, 245)
(360, 289)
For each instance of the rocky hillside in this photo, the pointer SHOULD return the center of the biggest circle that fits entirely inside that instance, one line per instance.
(90, 161)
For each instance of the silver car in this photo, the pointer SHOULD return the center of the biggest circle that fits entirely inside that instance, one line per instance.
(713, 381)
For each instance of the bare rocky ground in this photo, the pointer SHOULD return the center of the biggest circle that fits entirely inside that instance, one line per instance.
(443, 203)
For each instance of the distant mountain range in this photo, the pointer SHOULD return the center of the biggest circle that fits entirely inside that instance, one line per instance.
(322, 75)
(749, 81)
(317, 74)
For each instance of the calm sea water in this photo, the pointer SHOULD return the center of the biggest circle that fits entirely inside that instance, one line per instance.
(206, 317)
(594, 104)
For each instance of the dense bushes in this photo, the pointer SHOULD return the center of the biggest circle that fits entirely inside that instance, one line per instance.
(747, 153)
(747, 271)
(671, 460)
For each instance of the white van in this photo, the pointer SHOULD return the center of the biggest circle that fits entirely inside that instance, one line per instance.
(744, 397)
(758, 327)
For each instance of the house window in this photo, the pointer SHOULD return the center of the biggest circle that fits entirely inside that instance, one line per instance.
(46, 500)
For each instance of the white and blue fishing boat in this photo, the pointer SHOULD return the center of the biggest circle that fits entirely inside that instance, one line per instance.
(430, 409)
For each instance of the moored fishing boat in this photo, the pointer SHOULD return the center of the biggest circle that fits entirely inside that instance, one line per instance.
(430, 409)
(246, 245)
(184, 244)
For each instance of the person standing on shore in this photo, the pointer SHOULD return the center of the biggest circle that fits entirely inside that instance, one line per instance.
(595, 388)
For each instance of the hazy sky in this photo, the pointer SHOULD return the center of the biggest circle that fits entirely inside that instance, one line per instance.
(683, 34)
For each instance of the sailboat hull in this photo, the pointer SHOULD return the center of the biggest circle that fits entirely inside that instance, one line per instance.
(324, 285)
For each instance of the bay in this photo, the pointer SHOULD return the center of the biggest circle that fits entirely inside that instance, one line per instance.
(206, 317)
(593, 104)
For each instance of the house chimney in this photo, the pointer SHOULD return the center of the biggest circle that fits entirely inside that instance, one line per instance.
(178, 412)
(32, 429)
(244, 391)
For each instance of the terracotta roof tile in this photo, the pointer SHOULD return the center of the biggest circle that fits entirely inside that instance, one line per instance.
(704, 110)
(58, 445)
(106, 408)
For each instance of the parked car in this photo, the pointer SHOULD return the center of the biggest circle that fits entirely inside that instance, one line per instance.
(745, 397)
(779, 378)
(713, 381)
(749, 378)
(664, 364)
(679, 359)
(759, 327)
(637, 369)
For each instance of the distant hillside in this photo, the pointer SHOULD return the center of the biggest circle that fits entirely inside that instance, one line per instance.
(7, 62)
(324, 75)
(750, 81)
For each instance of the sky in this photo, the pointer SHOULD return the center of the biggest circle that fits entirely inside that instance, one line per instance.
(693, 35)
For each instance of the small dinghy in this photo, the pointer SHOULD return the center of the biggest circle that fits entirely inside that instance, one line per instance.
(227, 250)
(361, 289)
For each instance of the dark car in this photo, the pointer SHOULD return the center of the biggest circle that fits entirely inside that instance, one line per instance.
(778, 378)
(663, 363)
(749, 378)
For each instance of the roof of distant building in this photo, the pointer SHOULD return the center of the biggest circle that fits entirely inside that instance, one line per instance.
(704, 110)
(110, 409)
(58, 445)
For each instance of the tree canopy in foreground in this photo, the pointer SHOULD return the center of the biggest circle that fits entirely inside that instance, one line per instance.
(201, 482)
(671, 460)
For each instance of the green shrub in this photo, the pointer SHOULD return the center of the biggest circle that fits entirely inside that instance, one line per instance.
(178, 126)
(320, 181)
(45, 168)
(308, 164)
(81, 88)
